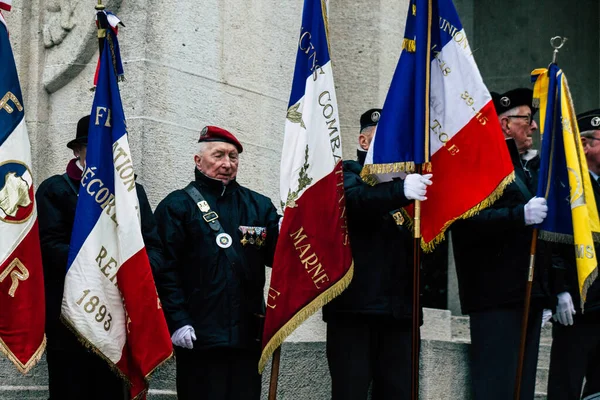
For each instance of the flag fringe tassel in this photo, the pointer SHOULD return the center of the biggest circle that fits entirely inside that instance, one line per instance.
(487, 202)
(35, 358)
(369, 171)
(88, 345)
(556, 237)
(586, 285)
(409, 45)
(302, 315)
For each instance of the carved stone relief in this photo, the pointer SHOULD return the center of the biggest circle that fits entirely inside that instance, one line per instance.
(69, 34)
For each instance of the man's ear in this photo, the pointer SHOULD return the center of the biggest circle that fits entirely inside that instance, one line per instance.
(505, 127)
(363, 142)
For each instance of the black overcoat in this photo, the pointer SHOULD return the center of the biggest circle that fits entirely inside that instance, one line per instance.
(197, 284)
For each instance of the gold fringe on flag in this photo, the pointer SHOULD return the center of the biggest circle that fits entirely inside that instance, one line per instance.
(88, 345)
(586, 285)
(35, 358)
(487, 202)
(409, 45)
(302, 315)
(556, 237)
(369, 171)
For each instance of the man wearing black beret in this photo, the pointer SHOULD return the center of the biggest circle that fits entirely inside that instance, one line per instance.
(369, 324)
(491, 252)
(74, 372)
(575, 353)
(218, 237)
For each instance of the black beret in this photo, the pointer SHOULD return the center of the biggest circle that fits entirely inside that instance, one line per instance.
(589, 121)
(513, 98)
(370, 118)
(81, 136)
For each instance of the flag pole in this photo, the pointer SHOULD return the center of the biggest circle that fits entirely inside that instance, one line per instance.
(274, 374)
(525, 318)
(101, 27)
(556, 42)
(416, 336)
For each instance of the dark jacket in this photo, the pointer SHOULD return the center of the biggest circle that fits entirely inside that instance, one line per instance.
(492, 249)
(197, 284)
(563, 277)
(56, 204)
(382, 251)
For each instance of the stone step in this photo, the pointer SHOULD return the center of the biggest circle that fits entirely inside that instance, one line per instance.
(546, 336)
(461, 329)
(541, 380)
(544, 355)
(540, 396)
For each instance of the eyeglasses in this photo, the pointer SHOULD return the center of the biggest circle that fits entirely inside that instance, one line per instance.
(528, 118)
(590, 138)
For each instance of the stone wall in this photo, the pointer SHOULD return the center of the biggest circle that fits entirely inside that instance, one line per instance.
(230, 63)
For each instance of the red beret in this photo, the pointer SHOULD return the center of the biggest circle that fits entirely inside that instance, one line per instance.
(216, 134)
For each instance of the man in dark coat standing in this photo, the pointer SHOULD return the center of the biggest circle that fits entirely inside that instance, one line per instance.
(575, 351)
(491, 252)
(75, 372)
(369, 324)
(218, 238)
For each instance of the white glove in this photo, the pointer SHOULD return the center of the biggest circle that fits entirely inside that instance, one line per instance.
(546, 316)
(535, 211)
(415, 186)
(280, 222)
(565, 309)
(183, 337)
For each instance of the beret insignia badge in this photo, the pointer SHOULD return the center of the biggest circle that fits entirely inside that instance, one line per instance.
(375, 116)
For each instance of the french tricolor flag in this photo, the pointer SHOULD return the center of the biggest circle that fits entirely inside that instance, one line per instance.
(313, 261)
(437, 88)
(110, 299)
(6, 6)
(22, 310)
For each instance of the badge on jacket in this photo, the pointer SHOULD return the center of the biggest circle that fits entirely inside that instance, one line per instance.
(255, 235)
(224, 240)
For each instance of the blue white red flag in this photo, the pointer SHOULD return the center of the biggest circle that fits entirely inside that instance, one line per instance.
(313, 261)
(22, 310)
(4, 5)
(439, 114)
(110, 299)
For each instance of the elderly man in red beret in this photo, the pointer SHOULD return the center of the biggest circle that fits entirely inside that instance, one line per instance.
(218, 238)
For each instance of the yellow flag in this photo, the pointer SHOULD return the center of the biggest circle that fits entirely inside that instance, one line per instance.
(564, 179)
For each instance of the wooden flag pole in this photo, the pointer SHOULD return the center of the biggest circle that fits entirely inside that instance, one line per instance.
(556, 42)
(415, 334)
(102, 26)
(416, 309)
(274, 374)
(525, 319)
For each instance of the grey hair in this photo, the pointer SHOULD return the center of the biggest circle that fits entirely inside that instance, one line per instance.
(202, 147)
(587, 134)
(364, 130)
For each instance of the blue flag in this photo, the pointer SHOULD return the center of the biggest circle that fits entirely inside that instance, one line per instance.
(564, 179)
(110, 299)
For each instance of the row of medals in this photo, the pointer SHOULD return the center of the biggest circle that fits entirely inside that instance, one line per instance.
(253, 235)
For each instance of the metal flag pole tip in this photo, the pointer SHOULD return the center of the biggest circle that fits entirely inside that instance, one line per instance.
(557, 42)
(100, 6)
